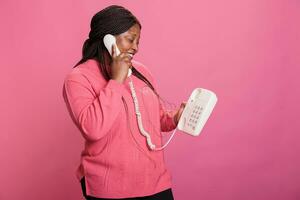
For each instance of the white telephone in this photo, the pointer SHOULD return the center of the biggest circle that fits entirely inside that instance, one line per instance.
(194, 115)
(197, 111)
(108, 41)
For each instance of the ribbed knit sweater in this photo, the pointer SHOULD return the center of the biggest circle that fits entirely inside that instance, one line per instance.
(116, 161)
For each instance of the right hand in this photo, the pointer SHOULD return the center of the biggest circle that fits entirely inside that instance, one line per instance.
(120, 65)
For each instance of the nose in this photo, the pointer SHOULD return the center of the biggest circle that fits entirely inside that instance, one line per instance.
(135, 47)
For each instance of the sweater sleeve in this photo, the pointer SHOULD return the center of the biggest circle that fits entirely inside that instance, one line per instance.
(93, 114)
(167, 122)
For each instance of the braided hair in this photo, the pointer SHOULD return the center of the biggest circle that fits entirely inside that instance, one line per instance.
(113, 20)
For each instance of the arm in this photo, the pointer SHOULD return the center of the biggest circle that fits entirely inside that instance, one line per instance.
(168, 118)
(93, 114)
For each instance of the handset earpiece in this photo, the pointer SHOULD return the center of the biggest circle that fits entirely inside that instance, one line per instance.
(108, 41)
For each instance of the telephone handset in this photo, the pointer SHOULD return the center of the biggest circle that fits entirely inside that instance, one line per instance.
(197, 111)
(108, 41)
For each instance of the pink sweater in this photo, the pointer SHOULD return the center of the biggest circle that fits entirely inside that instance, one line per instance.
(116, 160)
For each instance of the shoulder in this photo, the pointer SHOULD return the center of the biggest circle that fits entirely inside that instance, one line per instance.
(84, 71)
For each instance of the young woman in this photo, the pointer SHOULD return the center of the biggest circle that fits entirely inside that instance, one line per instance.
(116, 162)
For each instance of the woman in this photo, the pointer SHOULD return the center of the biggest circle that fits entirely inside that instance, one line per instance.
(116, 162)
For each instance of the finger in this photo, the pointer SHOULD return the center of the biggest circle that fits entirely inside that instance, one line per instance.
(126, 59)
(181, 110)
(113, 50)
(129, 64)
(125, 55)
(179, 115)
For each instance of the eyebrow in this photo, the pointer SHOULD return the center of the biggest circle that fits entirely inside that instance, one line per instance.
(133, 34)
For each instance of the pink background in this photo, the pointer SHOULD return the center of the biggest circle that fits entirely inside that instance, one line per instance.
(247, 52)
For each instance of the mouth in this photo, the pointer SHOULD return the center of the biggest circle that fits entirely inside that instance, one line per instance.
(131, 55)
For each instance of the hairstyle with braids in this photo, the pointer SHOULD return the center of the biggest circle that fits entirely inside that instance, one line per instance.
(113, 20)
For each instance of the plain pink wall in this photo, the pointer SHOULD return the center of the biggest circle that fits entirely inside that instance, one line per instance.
(247, 52)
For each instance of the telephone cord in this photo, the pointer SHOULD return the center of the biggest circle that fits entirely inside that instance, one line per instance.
(140, 122)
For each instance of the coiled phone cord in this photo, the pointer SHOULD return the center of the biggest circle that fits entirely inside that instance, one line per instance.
(140, 122)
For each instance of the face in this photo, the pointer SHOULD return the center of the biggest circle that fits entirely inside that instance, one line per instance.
(129, 40)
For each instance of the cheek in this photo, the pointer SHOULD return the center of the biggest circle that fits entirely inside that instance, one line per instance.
(123, 45)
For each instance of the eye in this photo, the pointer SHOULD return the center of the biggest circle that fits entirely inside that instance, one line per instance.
(130, 40)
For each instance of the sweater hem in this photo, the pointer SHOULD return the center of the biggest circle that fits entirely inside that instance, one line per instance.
(133, 195)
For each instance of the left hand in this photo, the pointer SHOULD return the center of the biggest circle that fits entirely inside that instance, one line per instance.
(179, 112)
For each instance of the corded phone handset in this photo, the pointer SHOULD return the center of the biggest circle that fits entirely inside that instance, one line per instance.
(108, 41)
(194, 116)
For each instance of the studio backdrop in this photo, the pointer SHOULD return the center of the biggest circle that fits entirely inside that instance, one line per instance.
(247, 52)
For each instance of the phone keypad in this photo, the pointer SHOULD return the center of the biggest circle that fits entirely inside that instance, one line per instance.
(194, 117)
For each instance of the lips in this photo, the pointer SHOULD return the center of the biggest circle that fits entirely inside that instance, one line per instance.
(131, 54)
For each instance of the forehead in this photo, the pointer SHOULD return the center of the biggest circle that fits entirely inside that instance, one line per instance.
(134, 30)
